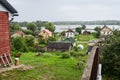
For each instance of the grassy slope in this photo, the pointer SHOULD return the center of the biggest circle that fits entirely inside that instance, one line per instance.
(49, 68)
(46, 68)
(83, 38)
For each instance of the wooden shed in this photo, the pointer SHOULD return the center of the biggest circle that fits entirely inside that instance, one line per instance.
(7, 13)
(59, 46)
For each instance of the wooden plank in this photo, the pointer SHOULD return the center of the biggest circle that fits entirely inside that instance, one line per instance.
(10, 59)
(6, 59)
(1, 57)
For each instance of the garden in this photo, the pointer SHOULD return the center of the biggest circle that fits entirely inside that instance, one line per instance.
(67, 65)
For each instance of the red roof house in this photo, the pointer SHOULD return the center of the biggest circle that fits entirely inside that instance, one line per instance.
(18, 34)
(6, 12)
(46, 33)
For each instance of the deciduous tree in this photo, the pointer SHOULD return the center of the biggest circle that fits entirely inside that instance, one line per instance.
(111, 56)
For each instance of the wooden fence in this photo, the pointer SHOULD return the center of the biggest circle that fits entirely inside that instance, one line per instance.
(91, 69)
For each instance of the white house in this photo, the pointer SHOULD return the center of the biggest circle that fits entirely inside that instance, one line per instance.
(69, 33)
(106, 30)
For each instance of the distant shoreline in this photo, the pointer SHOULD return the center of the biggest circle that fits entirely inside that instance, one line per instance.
(100, 22)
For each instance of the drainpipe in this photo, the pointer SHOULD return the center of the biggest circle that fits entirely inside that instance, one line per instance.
(11, 19)
(14, 14)
(99, 77)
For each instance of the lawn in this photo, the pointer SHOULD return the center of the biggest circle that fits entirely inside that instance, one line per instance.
(85, 37)
(49, 66)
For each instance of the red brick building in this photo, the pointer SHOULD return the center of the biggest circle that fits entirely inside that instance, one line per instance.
(7, 13)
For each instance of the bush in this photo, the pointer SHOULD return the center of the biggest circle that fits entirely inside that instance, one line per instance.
(38, 54)
(19, 44)
(65, 55)
(47, 55)
(58, 53)
(81, 54)
(41, 40)
(75, 48)
(77, 54)
(32, 49)
(29, 40)
(73, 53)
(110, 57)
(42, 50)
(14, 53)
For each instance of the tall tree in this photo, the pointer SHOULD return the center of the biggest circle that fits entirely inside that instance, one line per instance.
(111, 56)
(97, 34)
(78, 29)
(83, 26)
(50, 26)
(97, 29)
(14, 27)
(31, 26)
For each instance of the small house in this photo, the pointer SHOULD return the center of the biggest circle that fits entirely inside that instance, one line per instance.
(45, 33)
(7, 13)
(86, 32)
(18, 34)
(59, 46)
(106, 30)
(69, 33)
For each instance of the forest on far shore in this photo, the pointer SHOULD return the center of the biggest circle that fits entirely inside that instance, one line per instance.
(99, 22)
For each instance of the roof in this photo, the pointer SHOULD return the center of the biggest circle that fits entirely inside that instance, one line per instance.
(20, 33)
(9, 7)
(59, 45)
(69, 30)
(72, 40)
(47, 31)
(106, 27)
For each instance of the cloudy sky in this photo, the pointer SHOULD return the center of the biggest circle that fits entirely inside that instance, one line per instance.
(67, 10)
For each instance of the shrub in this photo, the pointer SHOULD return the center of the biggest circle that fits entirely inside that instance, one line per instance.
(31, 49)
(29, 40)
(58, 53)
(47, 55)
(38, 54)
(19, 44)
(14, 53)
(41, 40)
(73, 53)
(76, 54)
(81, 54)
(42, 50)
(75, 48)
(65, 55)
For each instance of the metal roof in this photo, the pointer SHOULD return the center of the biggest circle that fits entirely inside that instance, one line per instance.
(9, 7)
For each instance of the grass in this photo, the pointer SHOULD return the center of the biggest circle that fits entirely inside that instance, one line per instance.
(46, 68)
(50, 66)
(85, 37)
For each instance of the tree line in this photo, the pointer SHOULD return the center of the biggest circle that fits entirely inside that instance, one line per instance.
(104, 22)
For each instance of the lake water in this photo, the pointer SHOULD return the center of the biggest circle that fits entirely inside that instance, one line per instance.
(60, 28)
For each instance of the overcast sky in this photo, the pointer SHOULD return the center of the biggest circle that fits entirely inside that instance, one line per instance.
(66, 10)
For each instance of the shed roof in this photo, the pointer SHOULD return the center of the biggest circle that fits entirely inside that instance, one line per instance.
(72, 40)
(59, 45)
(8, 6)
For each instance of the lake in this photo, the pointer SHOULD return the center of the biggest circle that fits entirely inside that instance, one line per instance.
(60, 28)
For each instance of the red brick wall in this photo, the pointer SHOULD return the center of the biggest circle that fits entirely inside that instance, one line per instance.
(4, 33)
